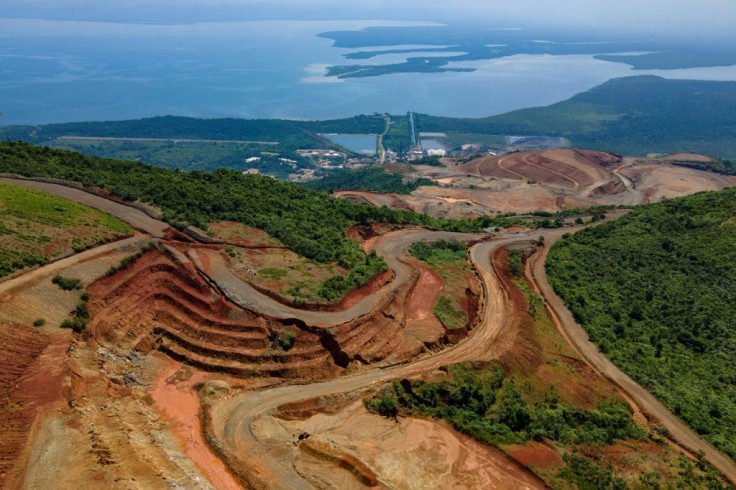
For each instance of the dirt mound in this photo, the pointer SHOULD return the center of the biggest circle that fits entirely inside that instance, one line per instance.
(572, 169)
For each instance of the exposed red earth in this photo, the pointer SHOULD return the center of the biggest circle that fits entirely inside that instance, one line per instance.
(549, 180)
(182, 378)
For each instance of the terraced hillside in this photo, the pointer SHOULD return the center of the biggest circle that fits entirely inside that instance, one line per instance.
(570, 169)
(162, 301)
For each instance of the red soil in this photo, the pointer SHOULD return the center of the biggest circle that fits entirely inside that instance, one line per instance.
(421, 300)
(535, 454)
(574, 169)
(355, 296)
(30, 378)
(243, 236)
(180, 406)
(162, 302)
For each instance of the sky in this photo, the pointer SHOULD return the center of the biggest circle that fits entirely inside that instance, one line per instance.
(701, 18)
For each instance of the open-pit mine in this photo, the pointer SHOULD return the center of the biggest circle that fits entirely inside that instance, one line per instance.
(194, 373)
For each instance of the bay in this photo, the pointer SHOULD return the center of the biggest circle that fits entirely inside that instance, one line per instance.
(60, 71)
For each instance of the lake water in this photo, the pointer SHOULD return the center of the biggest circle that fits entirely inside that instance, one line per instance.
(57, 71)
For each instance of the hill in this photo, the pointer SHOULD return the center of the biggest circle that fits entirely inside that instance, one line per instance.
(631, 116)
(36, 227)
(311, 223)
(656, 291)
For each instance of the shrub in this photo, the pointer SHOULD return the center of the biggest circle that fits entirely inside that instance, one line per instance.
(67, 284)
(39, 322)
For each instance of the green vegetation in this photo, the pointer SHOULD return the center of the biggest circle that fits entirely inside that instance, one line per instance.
(372, 178)
(398, 138)
(272, 272)
(450, 43)
(39, 322)
(588, 475)
(632, 116)
(412, 65)
(126, 261)
(337, 286)
(515, 262)
(448, 258)
(438, 252)
(79, 316)
(67, 284)
(447, 313)
(311, 223)
(236, 140)
(36, 227)
(656, 290)
(483, 402)
(284, 340)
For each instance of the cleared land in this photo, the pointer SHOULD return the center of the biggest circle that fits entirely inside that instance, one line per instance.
(36, 227)
(547, 180)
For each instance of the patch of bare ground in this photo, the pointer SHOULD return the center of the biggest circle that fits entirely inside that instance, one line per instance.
(242, 235)
(351, 448)
(20, 397)
(107, 434)
(547, 180)
(659, 180)
(578, 169)
(688, 157)
(175, 397)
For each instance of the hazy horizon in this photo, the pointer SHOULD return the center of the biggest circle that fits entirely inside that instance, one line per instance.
(678, 18)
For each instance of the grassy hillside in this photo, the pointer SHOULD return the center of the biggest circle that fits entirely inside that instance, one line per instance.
(633, 116)
(656, 291)
(35, 227)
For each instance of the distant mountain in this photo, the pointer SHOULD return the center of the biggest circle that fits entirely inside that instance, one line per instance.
(632, 116)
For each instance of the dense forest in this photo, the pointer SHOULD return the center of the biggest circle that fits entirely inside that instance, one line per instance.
(373, 178)
(310, 222)
(238, 140)
(656, 291)
(631, 116)
(172, 127)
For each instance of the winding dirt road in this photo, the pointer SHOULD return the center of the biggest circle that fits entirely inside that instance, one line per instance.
(652, 407)
(233, 417)
(391, 248)
(134, 217)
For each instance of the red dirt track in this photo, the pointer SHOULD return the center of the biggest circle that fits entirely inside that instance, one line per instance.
(177, 298)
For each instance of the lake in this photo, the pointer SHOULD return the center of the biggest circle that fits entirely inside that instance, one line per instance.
(359, 143)
(58, 71)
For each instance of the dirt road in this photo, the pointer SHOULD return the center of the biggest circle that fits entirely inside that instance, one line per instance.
(392, 248)
(233, 418)
(134, 217)
(646, 401)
